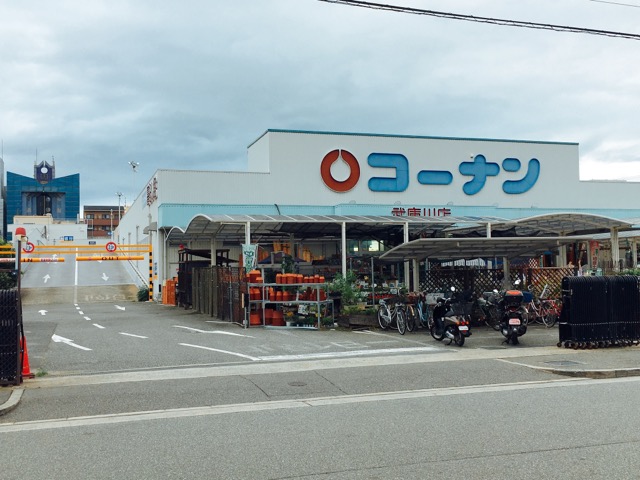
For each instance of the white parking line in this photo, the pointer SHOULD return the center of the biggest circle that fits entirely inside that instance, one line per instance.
(318, 355)
(350, 353)
(132, 335)
(219, 332)
(220, 351)
(98, 325)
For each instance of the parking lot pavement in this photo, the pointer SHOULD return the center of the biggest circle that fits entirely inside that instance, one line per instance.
(538, 348)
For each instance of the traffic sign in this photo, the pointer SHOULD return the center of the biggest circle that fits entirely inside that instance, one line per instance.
(28, 247)
(111, 246)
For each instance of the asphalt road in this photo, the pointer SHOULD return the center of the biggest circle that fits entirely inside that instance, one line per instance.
(70, 273)
(140, 390)
(71, 282)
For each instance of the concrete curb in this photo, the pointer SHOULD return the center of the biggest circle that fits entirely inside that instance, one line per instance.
(611, 373)
(13, 401)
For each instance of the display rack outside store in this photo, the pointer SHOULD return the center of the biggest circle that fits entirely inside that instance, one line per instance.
(274, 302)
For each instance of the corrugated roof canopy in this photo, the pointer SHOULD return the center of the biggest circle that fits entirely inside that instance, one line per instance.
(529, 236)
(231, 228)
(470, 248)
(547, 225)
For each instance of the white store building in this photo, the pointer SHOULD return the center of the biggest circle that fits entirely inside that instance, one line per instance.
(344, 179)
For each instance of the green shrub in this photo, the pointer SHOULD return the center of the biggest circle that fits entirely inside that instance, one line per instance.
(346, 286)
(631, 271)
(8, 280)
(143, 294)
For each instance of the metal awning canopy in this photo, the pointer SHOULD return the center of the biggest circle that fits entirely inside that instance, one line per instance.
(470, 248)
(554, 224)
(232, 228)
(467, 237)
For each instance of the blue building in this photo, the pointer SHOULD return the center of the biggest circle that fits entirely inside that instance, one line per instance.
(44, 194)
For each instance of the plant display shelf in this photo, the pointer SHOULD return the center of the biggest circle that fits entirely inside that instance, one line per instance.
(281, 304)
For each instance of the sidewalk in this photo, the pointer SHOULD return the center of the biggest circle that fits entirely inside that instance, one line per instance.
(609, 362)
(9, 398)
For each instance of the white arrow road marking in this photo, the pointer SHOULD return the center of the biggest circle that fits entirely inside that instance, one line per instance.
(87, 318)
(59, 339)
(46, 278)
(42, 312)
(119, 307)
(221, 351)
(213, 331)
(97, 325)
(104, 276)
(132, 335)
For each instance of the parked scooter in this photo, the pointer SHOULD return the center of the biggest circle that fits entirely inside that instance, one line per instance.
(514, 315)
(449, 320)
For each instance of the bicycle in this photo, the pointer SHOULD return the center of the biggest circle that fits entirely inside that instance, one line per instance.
(418, 313)
(547, 312)
(543, 310)
(387, 316)
(489, 304)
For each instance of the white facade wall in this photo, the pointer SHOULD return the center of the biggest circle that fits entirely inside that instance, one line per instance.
(288, 172)
(285, 171)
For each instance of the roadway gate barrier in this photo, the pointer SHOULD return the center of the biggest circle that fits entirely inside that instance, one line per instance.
(10, 331)
(600, 311)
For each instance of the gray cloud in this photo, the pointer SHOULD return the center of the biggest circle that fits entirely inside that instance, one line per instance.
(190, 85)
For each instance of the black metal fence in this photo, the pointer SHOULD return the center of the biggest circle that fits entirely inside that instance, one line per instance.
(600, 311)
(216, 291)
(10, 333)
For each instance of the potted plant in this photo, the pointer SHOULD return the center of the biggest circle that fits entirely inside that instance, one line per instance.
(344, 288)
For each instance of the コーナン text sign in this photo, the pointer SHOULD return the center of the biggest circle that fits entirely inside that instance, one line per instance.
(519, 177)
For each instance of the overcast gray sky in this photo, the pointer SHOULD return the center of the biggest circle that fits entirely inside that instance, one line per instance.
(189, 84)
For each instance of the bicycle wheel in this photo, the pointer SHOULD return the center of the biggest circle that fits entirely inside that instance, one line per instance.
(549, 319)
(425, 316)
(492, 319)
(433, 330)
(401, 321)
(411, 318)
(384, 317)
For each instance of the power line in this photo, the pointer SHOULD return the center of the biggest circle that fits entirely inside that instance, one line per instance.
(616, 3)
(495, 21)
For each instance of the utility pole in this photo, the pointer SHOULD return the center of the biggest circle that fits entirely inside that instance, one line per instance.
(119, 194)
